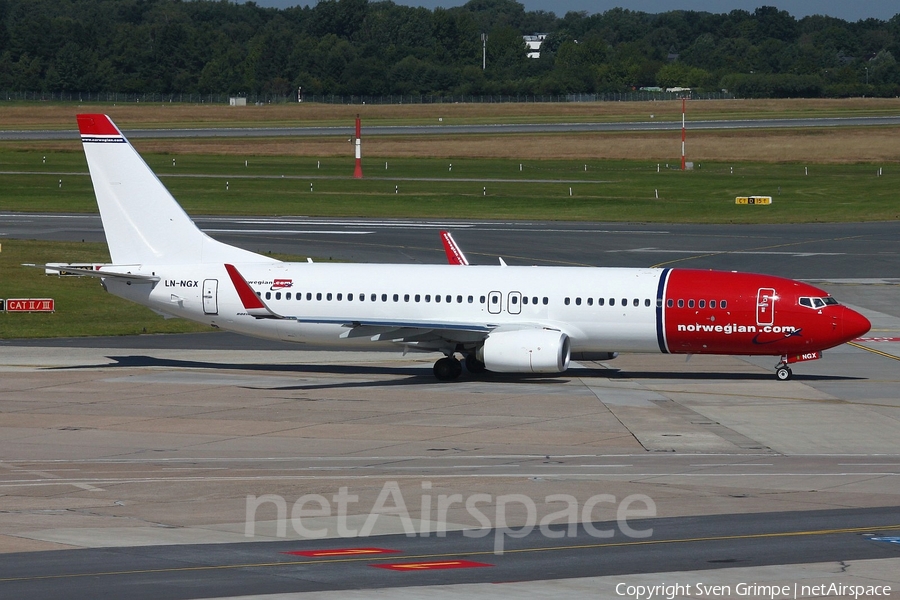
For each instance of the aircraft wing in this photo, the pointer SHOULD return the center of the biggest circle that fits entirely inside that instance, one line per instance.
(406, 331)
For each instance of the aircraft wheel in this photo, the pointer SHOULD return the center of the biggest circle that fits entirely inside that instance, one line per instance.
(473, 365)
(447, 369)
(783, 373)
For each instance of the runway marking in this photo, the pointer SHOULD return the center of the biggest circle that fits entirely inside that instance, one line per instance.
(754, 465)
(23, 483)
(439, 556)
(342, 552)
(686, 258)
(290, 231)
(19, 483)
(432, 565)
(79, 483)
(873, 351)
(715, 252)
(294, 459)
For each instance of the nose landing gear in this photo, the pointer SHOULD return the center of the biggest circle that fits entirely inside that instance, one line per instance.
(782, 370)
(783, 373)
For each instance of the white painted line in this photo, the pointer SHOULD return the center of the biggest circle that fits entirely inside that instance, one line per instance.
(291, 231)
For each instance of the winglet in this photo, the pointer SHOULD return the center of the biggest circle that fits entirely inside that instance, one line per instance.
(253, 304)
(454, 254)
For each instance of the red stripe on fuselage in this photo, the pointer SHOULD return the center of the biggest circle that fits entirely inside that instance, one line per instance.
(753, 321)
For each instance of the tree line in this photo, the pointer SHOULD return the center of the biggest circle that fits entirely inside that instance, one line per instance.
(358, 47)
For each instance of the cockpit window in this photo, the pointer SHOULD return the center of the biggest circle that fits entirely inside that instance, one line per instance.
(817, 302)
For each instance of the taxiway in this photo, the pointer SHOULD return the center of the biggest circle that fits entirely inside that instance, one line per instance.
(138, 463)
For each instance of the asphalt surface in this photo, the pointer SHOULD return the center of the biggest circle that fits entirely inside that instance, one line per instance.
(797, 251)
(829, 252)
(218, 570)
(407, 130)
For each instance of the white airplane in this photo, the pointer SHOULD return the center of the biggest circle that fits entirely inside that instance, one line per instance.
(501, 318)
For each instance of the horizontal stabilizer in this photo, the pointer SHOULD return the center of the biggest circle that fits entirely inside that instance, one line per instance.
(60, 268)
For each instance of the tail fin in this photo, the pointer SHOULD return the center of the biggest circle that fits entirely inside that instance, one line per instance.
(143, 223)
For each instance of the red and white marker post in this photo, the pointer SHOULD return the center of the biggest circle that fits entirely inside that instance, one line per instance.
(682, 134)
(357, 170)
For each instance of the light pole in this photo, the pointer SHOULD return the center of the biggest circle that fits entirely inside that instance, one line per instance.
(484, 51)
(867, 75)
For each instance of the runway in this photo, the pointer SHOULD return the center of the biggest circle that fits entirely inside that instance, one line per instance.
(134, 467)
(280, 567)
(814, 251)
(486, 129)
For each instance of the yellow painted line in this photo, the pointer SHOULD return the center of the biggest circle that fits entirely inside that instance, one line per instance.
(368, 559)
(348, 552)
(873, 351)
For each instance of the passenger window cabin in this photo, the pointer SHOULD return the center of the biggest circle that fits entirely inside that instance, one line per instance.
(493, 300)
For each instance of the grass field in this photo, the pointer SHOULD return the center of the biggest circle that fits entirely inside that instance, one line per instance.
(841, 145)
(815, 174)
(474, 188)
(82, 306)
(62, 115)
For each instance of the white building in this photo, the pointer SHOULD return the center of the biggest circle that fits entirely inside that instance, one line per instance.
(534, 44)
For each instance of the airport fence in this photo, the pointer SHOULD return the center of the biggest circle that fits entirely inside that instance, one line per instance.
(259, 99)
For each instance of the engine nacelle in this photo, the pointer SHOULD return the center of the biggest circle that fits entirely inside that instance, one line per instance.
(526, 351)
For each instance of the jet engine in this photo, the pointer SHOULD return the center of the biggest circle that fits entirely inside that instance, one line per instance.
(526, 351)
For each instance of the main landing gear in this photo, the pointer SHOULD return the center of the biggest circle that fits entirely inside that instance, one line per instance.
(449, 368)
(473, 365)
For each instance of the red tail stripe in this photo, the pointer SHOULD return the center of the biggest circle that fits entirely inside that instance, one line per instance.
(96, 125)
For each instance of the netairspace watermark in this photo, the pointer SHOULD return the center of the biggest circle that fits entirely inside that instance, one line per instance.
(490, 512)
(749, 590)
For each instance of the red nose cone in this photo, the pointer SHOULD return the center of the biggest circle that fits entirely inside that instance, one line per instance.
(854, 324)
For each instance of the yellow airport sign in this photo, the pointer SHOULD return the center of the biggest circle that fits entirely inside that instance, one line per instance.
(753, 200)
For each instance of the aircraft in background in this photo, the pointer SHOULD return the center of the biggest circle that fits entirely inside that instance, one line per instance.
(502, 318)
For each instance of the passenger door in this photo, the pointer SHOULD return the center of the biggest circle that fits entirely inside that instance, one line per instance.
(495, 303)
(765, 306)
(210, 296)
(514, 303)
